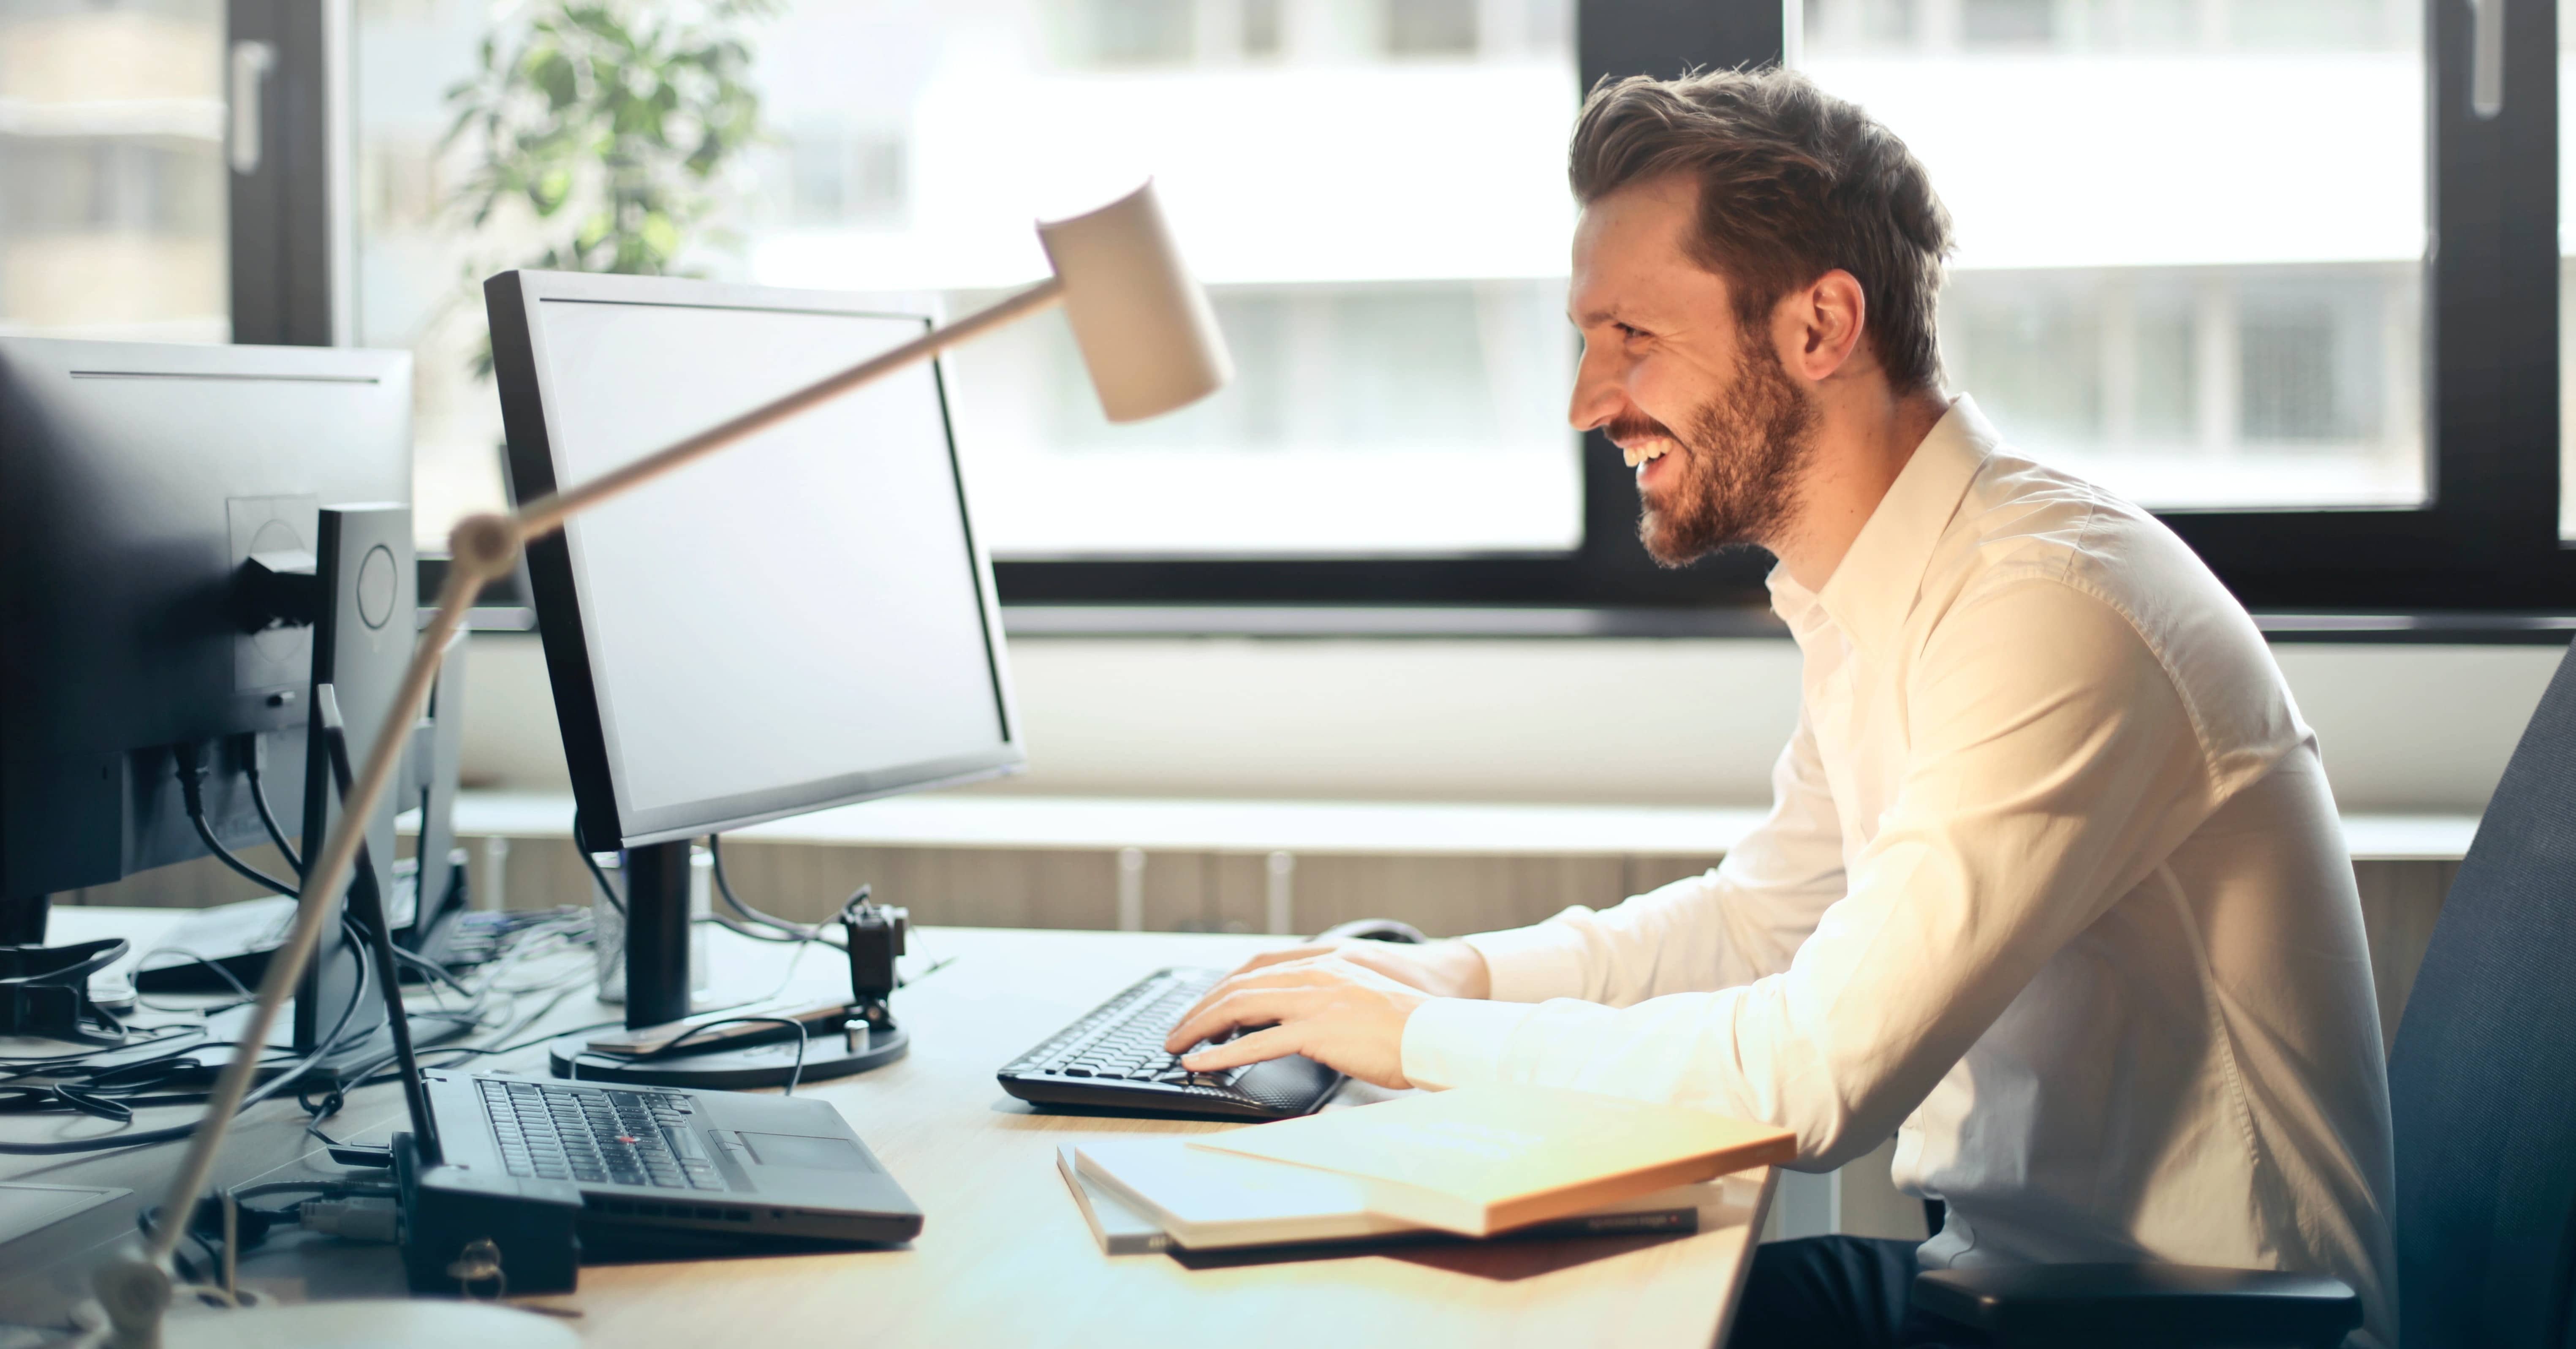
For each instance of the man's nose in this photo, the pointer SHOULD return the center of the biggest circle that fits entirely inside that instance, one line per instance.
(1597, 395)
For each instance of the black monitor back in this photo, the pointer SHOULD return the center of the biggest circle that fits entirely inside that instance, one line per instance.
(134, 480)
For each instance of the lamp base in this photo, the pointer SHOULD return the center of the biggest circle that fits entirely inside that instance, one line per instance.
(771, 1063)
(377, 1323)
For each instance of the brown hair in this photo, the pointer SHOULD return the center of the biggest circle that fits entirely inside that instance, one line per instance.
(1793, 183)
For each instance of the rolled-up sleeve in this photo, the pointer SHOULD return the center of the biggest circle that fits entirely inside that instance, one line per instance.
(2050, 764)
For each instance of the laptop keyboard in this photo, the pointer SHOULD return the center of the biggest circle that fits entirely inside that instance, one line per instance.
(602, 1135)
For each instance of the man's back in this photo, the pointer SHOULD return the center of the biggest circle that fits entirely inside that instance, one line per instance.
(2204, 1059)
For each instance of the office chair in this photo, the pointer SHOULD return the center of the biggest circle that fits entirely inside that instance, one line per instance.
(2483, 1085)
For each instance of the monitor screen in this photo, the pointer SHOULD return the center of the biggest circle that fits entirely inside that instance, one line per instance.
(800, 620)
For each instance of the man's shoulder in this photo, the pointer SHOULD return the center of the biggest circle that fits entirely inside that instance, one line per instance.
(2022, 522)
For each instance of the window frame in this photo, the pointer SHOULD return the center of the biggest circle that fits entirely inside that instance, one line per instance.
(291, 241)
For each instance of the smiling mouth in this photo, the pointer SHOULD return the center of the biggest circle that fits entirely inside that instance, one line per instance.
(1645, 451)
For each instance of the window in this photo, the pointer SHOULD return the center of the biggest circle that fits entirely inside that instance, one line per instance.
(112, 220)
(2195, 263)
(1431, 27)
(1389, 275)
(2211, 296)
(1138, 32)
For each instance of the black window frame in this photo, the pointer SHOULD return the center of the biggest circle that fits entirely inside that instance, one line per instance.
(2485, 544)
(288, 228)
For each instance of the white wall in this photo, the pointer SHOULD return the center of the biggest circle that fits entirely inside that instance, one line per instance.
(2414, 728)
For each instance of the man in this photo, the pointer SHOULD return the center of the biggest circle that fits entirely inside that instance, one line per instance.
(2052, 888)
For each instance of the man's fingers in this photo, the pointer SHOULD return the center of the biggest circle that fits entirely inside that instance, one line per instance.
(1243, 1007)
(1274, 1043)
(1272, 977)
(1285, 953)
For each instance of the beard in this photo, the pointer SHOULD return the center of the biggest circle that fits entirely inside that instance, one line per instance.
(1740, 465)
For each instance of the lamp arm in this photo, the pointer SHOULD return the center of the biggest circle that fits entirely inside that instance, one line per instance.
(483, 549)
(547, 513)
(327, 875)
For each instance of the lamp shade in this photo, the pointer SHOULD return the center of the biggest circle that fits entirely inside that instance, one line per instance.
(1146, 332)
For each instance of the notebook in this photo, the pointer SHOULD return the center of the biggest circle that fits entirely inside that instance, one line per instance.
(1484, 1159)
(1203, 1201)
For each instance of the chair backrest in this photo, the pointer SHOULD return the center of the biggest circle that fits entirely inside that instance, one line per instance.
(2483, 1076)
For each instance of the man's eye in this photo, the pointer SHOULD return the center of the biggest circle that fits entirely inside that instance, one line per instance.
(1629, 331)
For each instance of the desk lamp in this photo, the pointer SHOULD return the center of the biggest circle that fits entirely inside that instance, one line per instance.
(1150, 344)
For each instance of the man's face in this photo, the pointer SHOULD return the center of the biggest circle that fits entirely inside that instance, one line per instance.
(1715, 426)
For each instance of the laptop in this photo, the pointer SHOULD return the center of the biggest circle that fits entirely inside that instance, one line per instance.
(495, 1164)
(655, 1161)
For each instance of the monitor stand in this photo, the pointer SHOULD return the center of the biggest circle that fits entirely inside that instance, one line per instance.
(22, 920)
(657, 993)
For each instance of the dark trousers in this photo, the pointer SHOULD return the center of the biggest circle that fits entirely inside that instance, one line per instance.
(1838, 1293)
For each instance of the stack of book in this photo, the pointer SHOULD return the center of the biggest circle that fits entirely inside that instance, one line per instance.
(1476, 1163)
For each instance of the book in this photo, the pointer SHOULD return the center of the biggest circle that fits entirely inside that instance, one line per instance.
(1483, 1159)
(1209, 1201)
(1120, 1230)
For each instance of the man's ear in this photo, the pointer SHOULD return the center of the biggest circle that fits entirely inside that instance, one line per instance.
(1823, 322)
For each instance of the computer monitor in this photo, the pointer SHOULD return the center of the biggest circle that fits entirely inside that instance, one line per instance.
(803, 621)
(136, 480)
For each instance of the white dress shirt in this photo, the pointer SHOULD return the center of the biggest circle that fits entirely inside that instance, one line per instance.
(2052, 889)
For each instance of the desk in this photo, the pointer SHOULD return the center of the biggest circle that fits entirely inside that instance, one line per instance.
(1004, 1257)
(1386, 828)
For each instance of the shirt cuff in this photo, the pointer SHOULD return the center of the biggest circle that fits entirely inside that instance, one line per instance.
(1532, 964)
(1457, 1042)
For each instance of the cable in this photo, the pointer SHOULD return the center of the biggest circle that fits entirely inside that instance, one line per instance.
(242, 990)
(268, 817)
(794, 930)
(192, 775)
(606, 891)
(209, 1210)
(23, 1065)
(331, 1044)
(439, 973)
(795, 1074)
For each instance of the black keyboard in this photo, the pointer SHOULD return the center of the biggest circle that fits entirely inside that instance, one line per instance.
(1112, 1058)
(602, 1135)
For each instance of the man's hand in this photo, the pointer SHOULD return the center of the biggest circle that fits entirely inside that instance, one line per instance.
(1343, 1006)
(1443, 969)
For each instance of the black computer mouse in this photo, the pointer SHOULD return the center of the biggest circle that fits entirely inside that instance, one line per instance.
(1372, 929)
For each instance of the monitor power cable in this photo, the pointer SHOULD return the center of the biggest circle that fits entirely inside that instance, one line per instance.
(254, 764)
(191, 761)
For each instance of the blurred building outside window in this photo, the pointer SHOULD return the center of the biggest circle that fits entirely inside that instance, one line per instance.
(2191, 232)
(1389, 273)
(112, 173)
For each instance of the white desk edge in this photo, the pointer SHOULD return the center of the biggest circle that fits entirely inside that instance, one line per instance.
(1394, 828)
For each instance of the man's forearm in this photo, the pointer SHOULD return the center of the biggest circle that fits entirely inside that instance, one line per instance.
(1457, 970)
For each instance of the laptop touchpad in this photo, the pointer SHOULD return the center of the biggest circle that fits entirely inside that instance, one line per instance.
(810, 1154)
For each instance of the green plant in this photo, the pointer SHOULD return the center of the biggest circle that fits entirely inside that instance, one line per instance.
(613, 123)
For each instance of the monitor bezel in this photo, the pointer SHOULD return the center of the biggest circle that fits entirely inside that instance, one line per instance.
(522, 371)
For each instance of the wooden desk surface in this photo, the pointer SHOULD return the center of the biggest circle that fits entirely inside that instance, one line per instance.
(1004, 1257)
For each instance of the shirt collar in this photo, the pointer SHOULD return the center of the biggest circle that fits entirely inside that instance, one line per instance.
(1873, 588)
